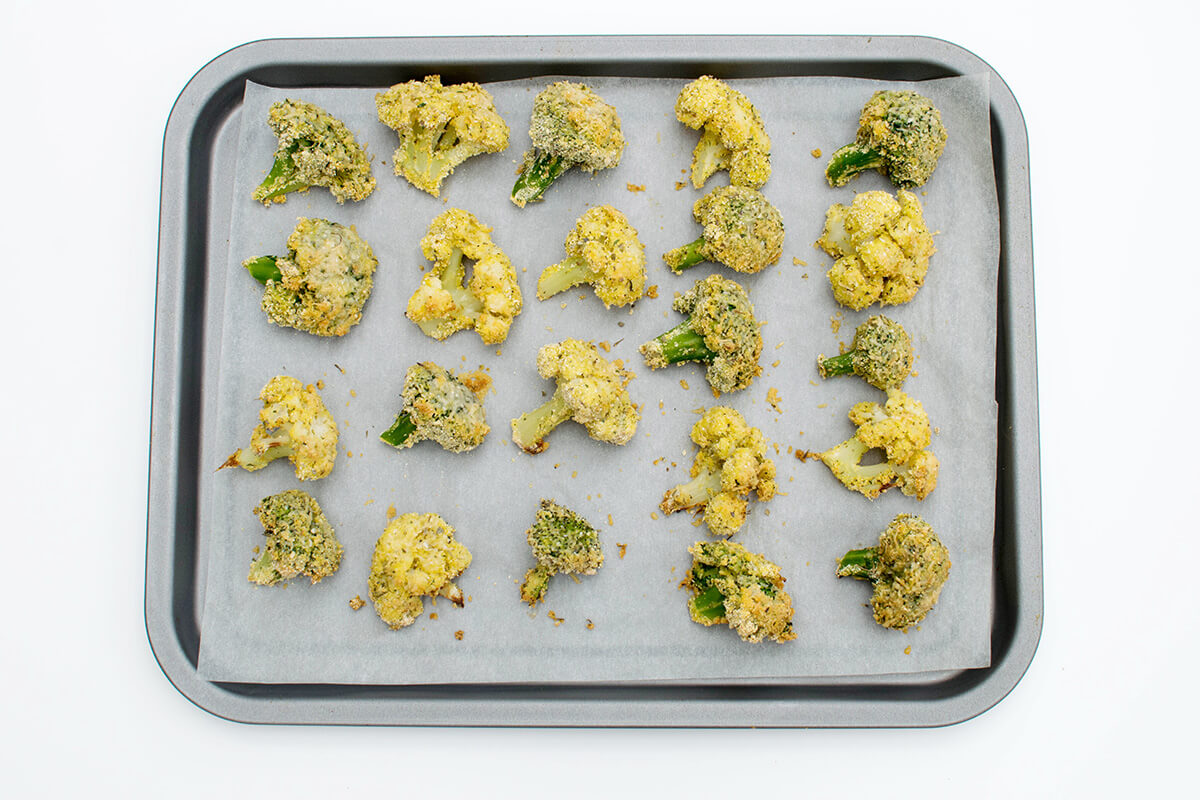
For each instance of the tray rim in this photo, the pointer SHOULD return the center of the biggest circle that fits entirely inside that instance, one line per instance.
(880, 701)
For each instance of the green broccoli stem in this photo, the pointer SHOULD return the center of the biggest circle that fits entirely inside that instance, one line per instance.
(850, 160)
(282, 177)
(858, 564)
(401, 429)
(683, 343)
(536, 176)
(689, 255)
(838, 365)
(531, 428)
(263, 269)
(537, 581)
(709, 604)
(566, 274)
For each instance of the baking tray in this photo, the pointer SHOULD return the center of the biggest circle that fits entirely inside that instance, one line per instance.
(199, 153)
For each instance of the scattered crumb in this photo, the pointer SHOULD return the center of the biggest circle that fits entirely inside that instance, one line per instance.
(349, 454)
(789, 449)
(320, 384)
(652, 291)
(458, 635)
(620, 324)
(822, 405)
(605, 346)
(635, 187)
(766, 512)
(339, 369)
(557, 619)
(776, 446)
(937, 429)
(610, 522)
(621, 549)
(590, 626)
(804, 276)
(433, 615)
(773, 398)
(391, 512)
(653, 515)
(353, 393)
(835, 322)
(357, 603)
(679, 185)
(779, 345)
(478, 382)
(805, 455)
(775, 363)
(683, 383)
(255, 549)
(370, 502)
(498, 351)
(816, 152)
(798, 263)
(700, 410)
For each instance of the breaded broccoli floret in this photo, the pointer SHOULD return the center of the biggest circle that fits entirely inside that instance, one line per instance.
(322, 284)
(603, 249)
(315, 149)
(300, 540)
(731, 584)
(440, 127)
(900, 134)
(562, 541)
(742, 230)
(882, 249)
(590, 390)
(417, 555)
(571, 126)
(881, 354)
(908, 567)
(294, 423)
(720, 331)
(441, 406)
(734, 137)
(900, 428)
(732, 463)
(442, 305)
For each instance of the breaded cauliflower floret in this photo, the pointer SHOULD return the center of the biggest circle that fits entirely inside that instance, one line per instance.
(417, 555)
(442, 305)
(900, 428)
(882, 249)
(900, 133)
(731, 584)
(734, 137)
(562, 541)
(603, 249)
(720, 331)
(322, 284)
(300, 540)
(590, 390)
(441, 406)
(440, 127)
(293, 422)
(908, 567)
(315, 149)
(742, 230)
(571, 126)
(732, 464)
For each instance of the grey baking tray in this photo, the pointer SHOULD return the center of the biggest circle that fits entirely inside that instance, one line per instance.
(199, 152)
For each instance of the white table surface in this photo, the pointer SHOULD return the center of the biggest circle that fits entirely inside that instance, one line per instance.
(1108, 706)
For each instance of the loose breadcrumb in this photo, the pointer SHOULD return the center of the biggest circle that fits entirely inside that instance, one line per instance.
(773, 398)
(835, 322)
(391, 512)
(605, 346)
(798, 263)
(458, 635)
(816, 152)
(590, 626)
(621, 549)
(679, 185)
(683, 383)
(653, 515)
(357, 603)
(908, 650)
(775, 363)
(610, 522)
(433, 615)
(557, 619)
(635, 187)
(652, 292)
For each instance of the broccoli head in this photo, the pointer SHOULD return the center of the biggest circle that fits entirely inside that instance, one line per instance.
(742, 230)
(443, 305)
(294, 423)
(729, 584)
(881, 354)
(908, 567)
(315, 149)
(901, 429)
(882, 249)
(562, 541)
(571, 126)
(732, 463)
(417, 555)
(604, 250)
(720, 331)
(300, 540)
(322, 284)
(733, 138)
(441, 406)
(590, 390)
(440, 127)
(900, 134)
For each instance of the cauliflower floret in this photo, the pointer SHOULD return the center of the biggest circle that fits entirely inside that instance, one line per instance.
(300, 540)
(562, 541)
(729, 584)
(732, 463)
(742, 230)
(882, 249)
(417, 555)
(293, 423)
(440, 127)
(900, 428)
(590, 390)
(442, 305)
(315, 149)
(900, 133)
(734, 137)
(603, 249)
(908, 568)
(441, 406)
(322, 284)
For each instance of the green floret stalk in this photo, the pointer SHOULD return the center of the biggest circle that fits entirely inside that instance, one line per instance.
(689, 255)
(452, 282)
(282, 177)
(566, 274)
(401, 429)
(709, 604)
(530, 429)
(246, 458)
(859, 564)
(696, 492)
(850, 160)
(838, 365)
(537, 581)
(541, 171)
(263, 269)
(681, 343)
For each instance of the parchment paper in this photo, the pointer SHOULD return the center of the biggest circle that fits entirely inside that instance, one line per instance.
(628, 622)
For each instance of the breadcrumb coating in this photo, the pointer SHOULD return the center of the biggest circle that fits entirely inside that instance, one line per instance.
(416, 556)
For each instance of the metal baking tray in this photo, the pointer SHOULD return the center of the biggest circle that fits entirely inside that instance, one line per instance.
(198, 162)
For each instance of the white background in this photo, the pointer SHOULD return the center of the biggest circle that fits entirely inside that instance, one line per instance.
(1109, 705)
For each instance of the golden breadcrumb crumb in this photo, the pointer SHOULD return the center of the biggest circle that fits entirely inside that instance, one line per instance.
(635, 187)
(357, 603)
(621, 549)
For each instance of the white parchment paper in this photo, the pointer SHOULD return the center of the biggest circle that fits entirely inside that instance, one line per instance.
(628, 622)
